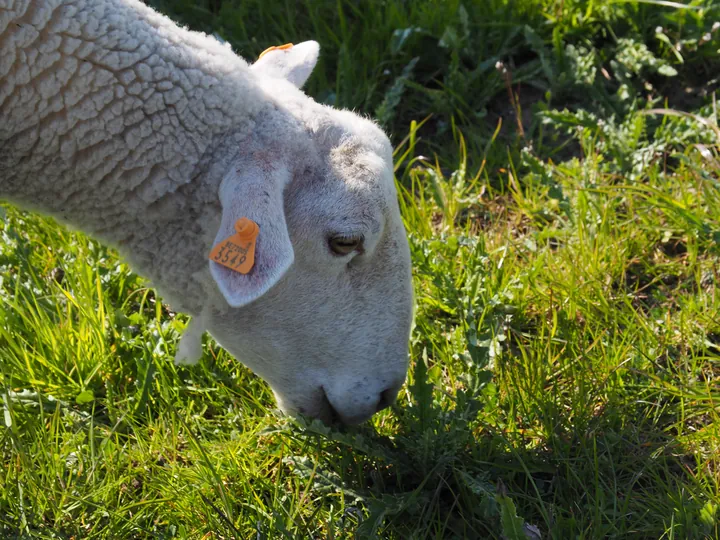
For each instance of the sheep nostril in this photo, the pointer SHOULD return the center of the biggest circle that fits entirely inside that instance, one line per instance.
(387, 398)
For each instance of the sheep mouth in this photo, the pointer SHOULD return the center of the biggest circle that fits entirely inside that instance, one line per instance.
(328, 413)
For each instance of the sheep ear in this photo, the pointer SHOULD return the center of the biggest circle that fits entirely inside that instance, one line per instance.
(253, 191)
(292, 62)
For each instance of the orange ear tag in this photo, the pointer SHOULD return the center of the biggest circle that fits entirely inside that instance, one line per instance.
(276, 48)
(237, 252)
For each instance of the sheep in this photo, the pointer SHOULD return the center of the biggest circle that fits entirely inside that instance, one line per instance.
(158, 141)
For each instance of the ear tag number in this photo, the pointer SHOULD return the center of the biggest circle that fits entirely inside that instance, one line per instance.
(237, 252)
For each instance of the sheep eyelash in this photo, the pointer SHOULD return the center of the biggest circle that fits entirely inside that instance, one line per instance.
(348, 239)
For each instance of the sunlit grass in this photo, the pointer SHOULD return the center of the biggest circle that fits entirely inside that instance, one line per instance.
(566, 348)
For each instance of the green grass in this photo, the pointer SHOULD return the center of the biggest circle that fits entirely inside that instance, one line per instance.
(565, 378)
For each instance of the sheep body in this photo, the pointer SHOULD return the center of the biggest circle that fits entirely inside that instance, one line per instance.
(111, 118)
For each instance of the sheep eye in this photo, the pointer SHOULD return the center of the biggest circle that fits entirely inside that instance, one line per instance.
(344, 245)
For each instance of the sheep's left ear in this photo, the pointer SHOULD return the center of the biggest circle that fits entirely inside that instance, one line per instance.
(291, 62)
(251, 191)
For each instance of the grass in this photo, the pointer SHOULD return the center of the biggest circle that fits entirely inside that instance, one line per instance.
(566, 350)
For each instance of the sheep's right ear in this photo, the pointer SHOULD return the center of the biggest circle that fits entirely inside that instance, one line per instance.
(291, 62)
(253, 189)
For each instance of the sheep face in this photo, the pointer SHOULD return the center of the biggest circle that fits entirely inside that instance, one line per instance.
(325, 314)
(330, 336)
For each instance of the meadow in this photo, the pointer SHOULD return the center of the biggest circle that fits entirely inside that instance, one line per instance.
(558, 164)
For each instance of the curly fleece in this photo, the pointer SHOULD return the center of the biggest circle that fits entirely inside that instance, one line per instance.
(111, 118)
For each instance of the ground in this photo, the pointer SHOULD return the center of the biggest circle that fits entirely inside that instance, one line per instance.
(559, 177)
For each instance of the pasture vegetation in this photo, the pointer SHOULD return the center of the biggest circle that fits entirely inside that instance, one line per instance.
(559, 173)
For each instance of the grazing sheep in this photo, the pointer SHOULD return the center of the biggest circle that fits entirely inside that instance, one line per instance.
(157, 140)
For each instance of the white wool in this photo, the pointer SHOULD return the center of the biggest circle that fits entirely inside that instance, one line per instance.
(155, 139)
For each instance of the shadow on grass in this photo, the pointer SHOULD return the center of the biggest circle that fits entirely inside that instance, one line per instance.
(462, 471)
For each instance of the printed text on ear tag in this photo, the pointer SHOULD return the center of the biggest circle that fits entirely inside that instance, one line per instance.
(276, 48)
(237, 252)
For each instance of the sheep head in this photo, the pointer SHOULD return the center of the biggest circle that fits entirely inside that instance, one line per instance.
(324, 314)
